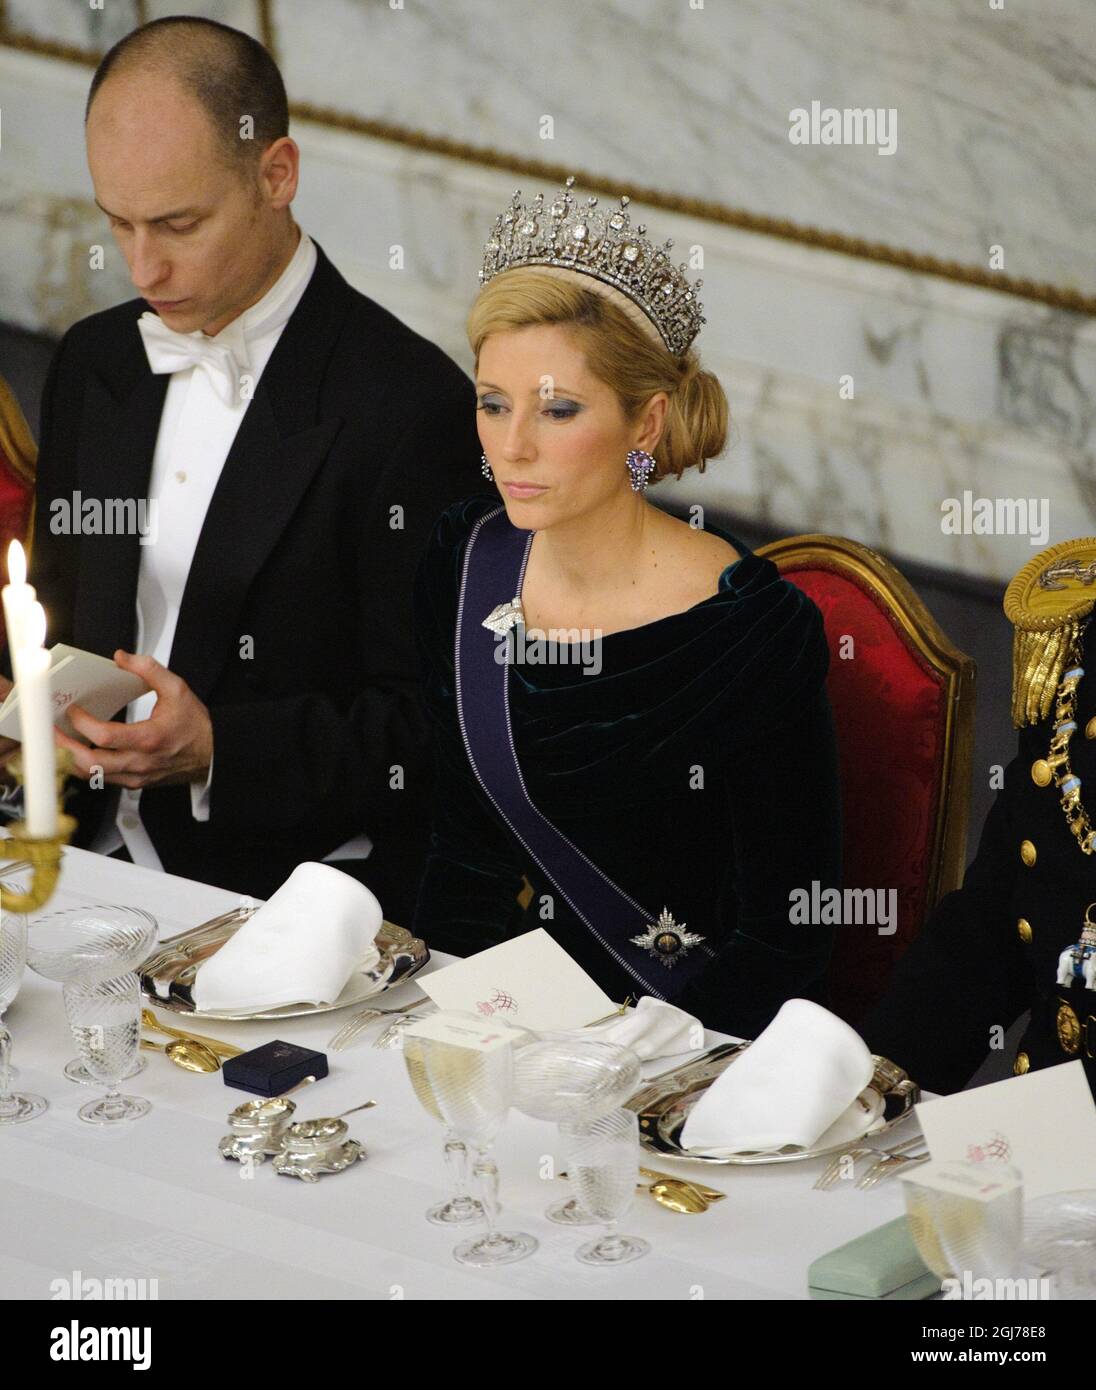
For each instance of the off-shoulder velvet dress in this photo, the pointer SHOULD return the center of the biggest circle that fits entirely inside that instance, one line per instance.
(697, 769)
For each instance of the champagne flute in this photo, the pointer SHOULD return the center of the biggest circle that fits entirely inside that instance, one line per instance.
(105, 1018)
(473, 1088)
(603, 1164)
(969, 1220)
(460, 1208)
(15, 1107)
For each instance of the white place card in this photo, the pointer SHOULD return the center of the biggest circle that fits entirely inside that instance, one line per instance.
(1043, 1123)
(984, 1186)
(531, 981)
(460, 1032)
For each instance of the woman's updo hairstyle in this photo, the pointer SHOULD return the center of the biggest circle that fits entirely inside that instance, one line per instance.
(631, 362)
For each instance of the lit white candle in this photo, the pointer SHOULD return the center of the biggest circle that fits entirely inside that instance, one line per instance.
(36, 721)
(18, 596)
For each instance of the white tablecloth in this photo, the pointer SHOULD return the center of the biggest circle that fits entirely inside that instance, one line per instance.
(153, 1198)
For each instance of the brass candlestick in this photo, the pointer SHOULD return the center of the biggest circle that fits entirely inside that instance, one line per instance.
(41, 852)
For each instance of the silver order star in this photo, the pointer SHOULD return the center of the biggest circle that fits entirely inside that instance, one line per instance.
(505, 616)
(666, 925)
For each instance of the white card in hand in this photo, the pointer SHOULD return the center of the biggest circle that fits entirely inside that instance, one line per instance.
(77, 678)
(530, 981)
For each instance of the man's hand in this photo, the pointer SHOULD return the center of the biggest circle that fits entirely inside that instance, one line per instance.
(175, 744)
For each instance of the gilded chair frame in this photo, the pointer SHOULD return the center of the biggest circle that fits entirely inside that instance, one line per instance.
(878, 578)
(18, 446)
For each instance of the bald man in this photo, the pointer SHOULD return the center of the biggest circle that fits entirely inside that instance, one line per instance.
(264, 451)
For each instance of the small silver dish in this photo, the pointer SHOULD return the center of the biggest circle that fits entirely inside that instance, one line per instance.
(314, 1147)
(258, 1129)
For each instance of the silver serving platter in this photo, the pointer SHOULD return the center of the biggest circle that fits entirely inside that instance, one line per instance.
(664, 1102)
(167, 976)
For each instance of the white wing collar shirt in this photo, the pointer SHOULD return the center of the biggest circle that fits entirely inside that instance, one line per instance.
(212, 383)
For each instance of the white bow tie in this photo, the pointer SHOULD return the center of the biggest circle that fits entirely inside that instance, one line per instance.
(169, 351)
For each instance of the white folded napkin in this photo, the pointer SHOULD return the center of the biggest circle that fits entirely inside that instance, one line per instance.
(789, 1087)
(652, 1029)
(301, 946)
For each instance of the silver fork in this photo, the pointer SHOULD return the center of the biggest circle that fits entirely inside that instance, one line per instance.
(888, 1164)
(356, 1025)
(393, 1034)
(835, 1167)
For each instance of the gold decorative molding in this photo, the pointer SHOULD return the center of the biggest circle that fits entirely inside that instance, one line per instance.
(267, 33)
(921, 263)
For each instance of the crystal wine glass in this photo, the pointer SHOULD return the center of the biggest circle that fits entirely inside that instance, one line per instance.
(956, 1234)
(86, 945)
(460, 1208)
(473, 1090)
(105, 1018)
(15, 1107)
(1060, 1237)
(567, 1078)
(603, 1162)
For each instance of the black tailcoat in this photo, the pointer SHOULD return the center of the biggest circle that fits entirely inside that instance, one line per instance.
(295, 623)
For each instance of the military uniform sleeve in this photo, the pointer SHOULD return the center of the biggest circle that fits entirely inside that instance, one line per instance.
(965, 974)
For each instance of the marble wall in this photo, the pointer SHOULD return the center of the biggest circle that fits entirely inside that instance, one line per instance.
(864, 395)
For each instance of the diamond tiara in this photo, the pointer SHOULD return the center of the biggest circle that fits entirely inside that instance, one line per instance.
(603, 245)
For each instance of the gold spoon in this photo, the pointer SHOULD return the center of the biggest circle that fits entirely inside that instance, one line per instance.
(186, 1053)
(678, 1195)
(710, 1194)
(223, 1049)
(673, 1193)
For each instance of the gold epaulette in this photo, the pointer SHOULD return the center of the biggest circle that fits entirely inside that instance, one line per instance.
(1048, 603)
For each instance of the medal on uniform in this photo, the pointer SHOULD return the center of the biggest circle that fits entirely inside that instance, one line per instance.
(1078, 962)
(1076, 965)
(666, 939)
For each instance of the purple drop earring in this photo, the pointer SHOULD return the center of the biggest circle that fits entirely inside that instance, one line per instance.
(641, 465)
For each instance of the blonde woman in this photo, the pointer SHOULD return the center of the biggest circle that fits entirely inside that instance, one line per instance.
(629, 711)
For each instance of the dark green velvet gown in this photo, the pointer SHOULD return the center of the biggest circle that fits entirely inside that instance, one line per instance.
(698, 770)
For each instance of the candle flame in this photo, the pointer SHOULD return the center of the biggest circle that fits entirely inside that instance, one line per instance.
(17, 564)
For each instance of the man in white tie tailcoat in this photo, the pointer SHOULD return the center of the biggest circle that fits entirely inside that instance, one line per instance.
(291, 443)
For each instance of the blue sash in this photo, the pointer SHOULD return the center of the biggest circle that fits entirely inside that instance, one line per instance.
(494, 566)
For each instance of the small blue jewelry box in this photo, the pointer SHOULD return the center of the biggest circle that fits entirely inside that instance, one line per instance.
(272, 1069)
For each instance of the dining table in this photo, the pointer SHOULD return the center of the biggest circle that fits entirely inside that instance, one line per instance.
(153, 1199)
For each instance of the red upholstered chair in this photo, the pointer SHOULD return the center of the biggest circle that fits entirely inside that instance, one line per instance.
(903, 703)
(18, 455)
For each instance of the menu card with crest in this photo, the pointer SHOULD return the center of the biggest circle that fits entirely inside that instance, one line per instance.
(530, 980)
